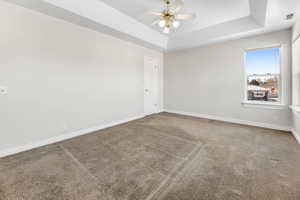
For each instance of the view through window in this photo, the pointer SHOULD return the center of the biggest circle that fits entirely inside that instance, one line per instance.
(263, 75)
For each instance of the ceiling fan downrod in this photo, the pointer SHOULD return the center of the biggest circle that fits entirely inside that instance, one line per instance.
(168, 2)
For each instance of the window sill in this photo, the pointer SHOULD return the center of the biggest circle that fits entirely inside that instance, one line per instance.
(264, 105)
(295, 109)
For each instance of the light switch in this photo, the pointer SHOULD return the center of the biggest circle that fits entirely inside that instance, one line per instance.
(3, 90)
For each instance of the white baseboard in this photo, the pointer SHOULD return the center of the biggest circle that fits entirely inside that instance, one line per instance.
(296, 135)
(30, 146)
(231, 120)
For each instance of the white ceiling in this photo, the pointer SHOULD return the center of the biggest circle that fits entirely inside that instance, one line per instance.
(217, 20)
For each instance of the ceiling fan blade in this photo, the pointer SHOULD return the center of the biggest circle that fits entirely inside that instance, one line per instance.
(176, 6)
(155, 13)
(185, 16)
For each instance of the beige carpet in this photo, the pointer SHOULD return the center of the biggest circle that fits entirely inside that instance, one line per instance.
(160, 157)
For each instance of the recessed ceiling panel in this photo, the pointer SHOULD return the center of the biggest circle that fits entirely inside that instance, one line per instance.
(209, 12)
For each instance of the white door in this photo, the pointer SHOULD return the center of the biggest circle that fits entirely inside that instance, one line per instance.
(150, 86)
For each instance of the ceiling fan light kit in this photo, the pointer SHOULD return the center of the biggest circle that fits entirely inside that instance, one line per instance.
(166, 30)
(162, 23)
(176, 24)
(169, 18)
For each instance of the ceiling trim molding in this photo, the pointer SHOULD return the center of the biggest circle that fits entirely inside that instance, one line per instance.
(213, 34)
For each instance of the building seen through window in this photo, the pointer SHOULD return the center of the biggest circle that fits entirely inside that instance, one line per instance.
(263, 75)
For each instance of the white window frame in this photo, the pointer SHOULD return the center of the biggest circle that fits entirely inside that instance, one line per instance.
(264, 104)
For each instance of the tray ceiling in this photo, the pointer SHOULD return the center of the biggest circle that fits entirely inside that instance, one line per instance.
(217, 20)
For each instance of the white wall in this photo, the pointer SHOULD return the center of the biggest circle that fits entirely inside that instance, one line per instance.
(62, 77)
(296, 63)
(210, 80)
(296, 77)
(296, 126)
(296, 30)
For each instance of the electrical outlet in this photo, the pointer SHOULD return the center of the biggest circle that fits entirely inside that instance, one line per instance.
(3, 90)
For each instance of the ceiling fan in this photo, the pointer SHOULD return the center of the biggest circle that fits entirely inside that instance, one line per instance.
(169, 17)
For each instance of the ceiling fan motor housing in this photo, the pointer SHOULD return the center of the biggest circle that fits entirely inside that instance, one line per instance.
(169, 19)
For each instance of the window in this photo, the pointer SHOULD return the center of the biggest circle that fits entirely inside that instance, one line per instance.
(263, 75)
